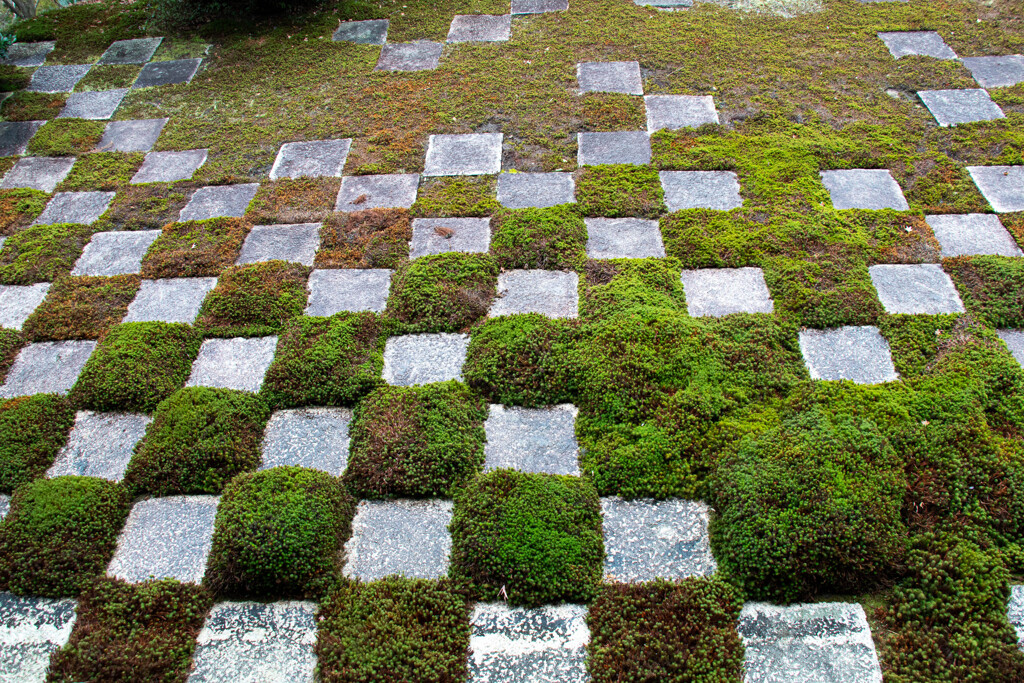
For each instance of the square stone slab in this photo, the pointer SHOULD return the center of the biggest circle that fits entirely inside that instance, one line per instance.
(858, 354)
(714, 292)
(17, 303)
(135, 51)
(392, 191)
(1016, 612)
(613, 148)
(620, 77)
(408, 537)
(100, 445)
(168, 167)
(237, 363)
(424, 358)
(1002, 186)
(701, 190)
(649, 539)
(535, 190)
(14, 136)
(131, 136)
(95, 105)
(539, 6)
(257, 642)
(862, 188)
(29, 54)
(915, 288)
(472, 154)
(334, 291)
(420, 55)
(219, 200)
(623, 238)
(166, 538)
(5, 505)
(826, 641)
(548, 292)
(316, 438)
(441, 235)
(996, 72)
(173, 72)
(679, 111)
(925, 43)
(1014, 340)
(30, 630)
(296, 243)
(369, 32)
(75, 207)
(47, 368)
(480, 28)
(950, 107)
(115, 253)
(38, 173)
(172, 300)
(532, 439)
(972, 234)
(61, 78)
(312, 159)
(518, 644)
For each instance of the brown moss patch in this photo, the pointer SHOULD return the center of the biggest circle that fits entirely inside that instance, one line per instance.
(294, 200)
(375, 238)
(146, 207)
(254, 300)
(82, 307)
(195, 248)
(18, 208)
(604, 111)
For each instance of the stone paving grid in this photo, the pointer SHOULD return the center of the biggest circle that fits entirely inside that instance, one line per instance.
(408, 537)
(46, 368)
(864, 189)
(316, 438)
(219, 200)
(549, 292)
(171, 300)
(532, 439)
(441, 235)
(167, 167)
(614, 77)
(100, 445)
(334, 291)
(38, 173)
(722, 291)
(971, 234)
(396, 191)
(14, 136)
(609, 238)
(1002, 186)
(313, 159)
(237, 363)
(535, 190)
(136, 51)
(908, 43)
(18, 302)
(718, 190)
(368, 32)
(472, 154)
(295, 243)
(480, 28)
(424, 358)
(951, 107)
(75, 207)
(30, 629)
(417, 56)
(115, 253)
(996, 72)
(172, 72)
(613, 148)
(131, 136)
(672, 112)
(29, 54)
(859, 354)
(98, 105)
(920, 288)
(1014, 340)
(53, 79)
(1016, 612)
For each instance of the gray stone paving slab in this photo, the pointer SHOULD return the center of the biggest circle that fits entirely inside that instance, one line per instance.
(539, 6)
(1014, 340)
(623, 238)
(29, 54)
(312, 159)
(115, 253)
(219, 200)
(255, 642)
(648, 539)
(915, 288)
(391, 191)
(471, 154)
(532, 439)
(665, 4)
(62, 78)
(134, 51)
(996, 72)
(131, 136)
(31, 629)
(171, 300)
(75, 207)
(316, 438)
(168, 167)
(521, 645)
(237, 363)
(14, 136)
(972, 234)
(629, 147)
(424, 358)
(827, 642)
(716, 292)
(348, 289)
(297, 243)
(1002, 186)
(408, 537)
(5, 505)
(171, 72)
(100, 445)
(95, 105)
(18, 302)
(480, 28)
(38, 173)
(679, 111)
(1016, 612)
(441, 235)
(950, 107)
(856, 353)
(166, 538)
(618, 77)
(924, 43)
(46, 368)
(420, 55)
(368, 32)
(701, 190)
(862, 188)
(548, 292)
(535, 190)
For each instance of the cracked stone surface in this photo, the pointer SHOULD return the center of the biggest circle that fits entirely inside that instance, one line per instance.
(548, 292)
(75, 207)
(1016, 612)
(46, 368)
(618, 77)
(38, 173)
(171, 72)
(424, 358)
(238, 363)
(171, 300)
(864, 189)
(535, 190)
(30, 629)
(917, 288)
(1002, 186)
(630, 147)
(29, 54)
(908, 43)
(480, 28)
(131, 136)
(996, 72)
(470, 154)
(420, 55)
(18, 302)
(857, 353)
(408, 537)
(532, 439)
(539, 6)
(62, 78)
(972, 234)
(135, 51)
(716, 292)
(441, 235)
(168, 167)
(368, 32)
(1014, 340)
(390, 191)
(313, 159)
(679, 111)
(96, 105)
(115, 253)
(950, 107)
(297, 243)
(623, 238)
(14, 136)
(219, 200)
(316, 438)
(648, 539)
(701, 190)
(100, 445)
(348, 289)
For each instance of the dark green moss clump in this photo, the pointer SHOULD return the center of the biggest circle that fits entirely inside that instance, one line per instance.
(32, 106)
(914, 340)
(10, 344)
(12, 78)
(19, 207)
(374, 238)
(41, 253)
(66, 137)
(824, 292)
(33, 429)
(83, 307)
(548, 239)
(620, 190)
(254, 300)
(456, 197)
(443, 292)
(102, 171)
(195, 248)
(991, 287)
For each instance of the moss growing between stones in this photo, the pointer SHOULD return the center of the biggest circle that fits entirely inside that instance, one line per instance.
(702, 238)
(32, 106)
(41, 253)
(83, 307)
(66, 137)
(375, 238)
(150, 206)
(830, 291)
(195, 248)
(549, 239)
(473, 196)
(33, 429)
(606, 111)
(10, 344)
(102, 171)
(991, 287)
(294, 200)
(620, 190)
(108, 77)
(442, 292)
(12, 78)
(914, 340)
(18, 208)
(254, 300)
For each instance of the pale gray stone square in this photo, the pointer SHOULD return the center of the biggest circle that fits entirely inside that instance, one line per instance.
(390, 191)
(480, 28)
(419, 55)
(38, 173)
(407, 537)
(862, 188)
(166, 538)
(61, 78)
(368, 32)
(701, 190)
(219, 200)
(665, 5)
(649, 539)
(171, 72)
(115, 253)
(5, 505)
(95, 105)
(30, 630)
(316, 438)
(539, 6)
(168, 167)
(171, 300)
(629, 147)
(856, 353)
(348, 289)
(535, 190)
(1002, 186)
(715, 292)
(100, 445)
(1014, 340)
(950, 107)
(915, 288)
(549, 292)
(996, 72)
(18, 302)
(134, 51)
(924, 43)
(441, 235)
(14, 136)
(29, 54)
(424, 358)
(532, 439)
(972, 234)
(239, 363)
(1015, 613)
(672, 112)
(312, 159)
(826, 642)
(623, 238)
(46, 368)
(75, 207)
(617, 77)
(296, 243)
(470, 154)
(131, 136)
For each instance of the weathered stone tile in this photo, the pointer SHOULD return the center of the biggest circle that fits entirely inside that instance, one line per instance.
(618, 77)
(5, 505)
(75, 207)
(30, 630)
(316, 438)
(472, 154)
(29, 54)
(1014, 340)
(368, 32)
(548, 292)
(532, 439)
(908, 43)
(679, 111)
(14, 136)
(313, 159)
(237, 363)
(219, 200)
(408, 537)
(420, 55)
(623, 238)
(38, 173)
(535, 190)
(95, 105)
(918, 288)
(391, 191)
(348, 289)
(171, 300)
(950, 107)
(996, 72)
(613, 148)
(480, 28)
(972, 234)
(135, 51)
(858, 354)
(441, 235)
(17, 303)
(539, 6)
(1016, 612)
(168, 167)
(131, 136)
(862, 188)
(1002, 186)
(701, 190)
(115, 253)
(297, 243)
(424, 358)
(46, 368)
(100, 445)
(716, 292)
(172, 72)
(62, 78)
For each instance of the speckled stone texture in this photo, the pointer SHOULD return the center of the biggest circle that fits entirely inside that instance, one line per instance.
(420, 55)
(950, 107)
(334, 291)
(14, 136)
(424, 358)
(532, 439)
(630, 147)
(1016, 612)
(1014, 340)
(721, 291)
(861, 188)
(535, 190)
(30, 629)
(471, 154)
(368, 32)
(548, 292)
(171, 300)
(296, 243)
(135, 51)
(100, 445)
(408, 537)
(217, 201)
(168, 167)
(75, 207)
(29, 54)
(679, 111)
(1002, 186)
(131, 136)
(917, 288)
(996, 72)
(539, 6)
(441, 235)
(254, 642)
(314, 159)
(391, 191)
(316, 438)
(46, 368)
(972, 234)
(718, 190)
(95, 105)
(859, 354)
(623, 238)
(480, 28)
(649, 539)
(18, 302)
(617, 77)
(172, 72)
(62, 78)
(237, 363)
(822, 642)
(38, 173)
(115, 253)
(518, 645)
(166, 538)
(5, 505)
(908, 43)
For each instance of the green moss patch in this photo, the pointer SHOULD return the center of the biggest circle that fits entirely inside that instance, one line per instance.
(82, 307)
(10, 344)
(294, 200)
(829, 291)
(195, 248)
(991, 287)
(375, 238)
(473, 196)
(254, 300)
(150, 206)
(41, 253)
(620, 190)
(547, 239)
(102, 171)
(442, 292)
(32, 106)
(13, 78)
(605, 111)
(702, 238)
(914, 340)
(66, 137)
(109, 77)
(75, 30)
(18, 208)
(33, 429)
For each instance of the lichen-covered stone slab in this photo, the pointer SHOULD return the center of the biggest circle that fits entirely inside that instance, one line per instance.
(390, 191)
(629, 147)
(38, 173)
(623, 238)
(419, 55)
(134, 51)
(424, 358)
(62, 78)
(237, 363)
(168, 167)
(827, 642)
(649, 539)
(539, 6)
(14, 136)
(618, 77)
(46, 368)
(219, 200)
(519, 645)
(470, 154)
(18, 302)
(29, 54)
(679, 111)
(95, 105)
(316, 438)
(1016, 612)
(131, 136)
(408, 537)
(100, 445)
(480, 28)
(313, 159)
(166, 538)
(972, 234)
(75, 207)
(296, 243)
(718, 190)
(996, 72)
(909, 43)
(532, 439)
(115, 253)
(348, 289)
(171, 300)
(368, 32)
(548, 292)
(535, 190)
(1002, 186)
(915, 288)
(716, 292)
(441, 235)
(255, 642)
(862, 188)
(1014, 340)
(30, 629)
(856, 353)
(171, 72)
(950, 107)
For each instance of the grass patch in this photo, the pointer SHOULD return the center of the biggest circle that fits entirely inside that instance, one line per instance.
(442, 292)
(150, 206)
(294, 200)
(82, 307)
(195, 248)
(19, 207)
(102, 171)
(32, 106)
(33, 429)
(548, 239)
(620, 190)
(608, 112)
(471, 196)
(375, 238)
(66, 137)
(41, 253)
(991, 287)
(109, 77)
(254, 300)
